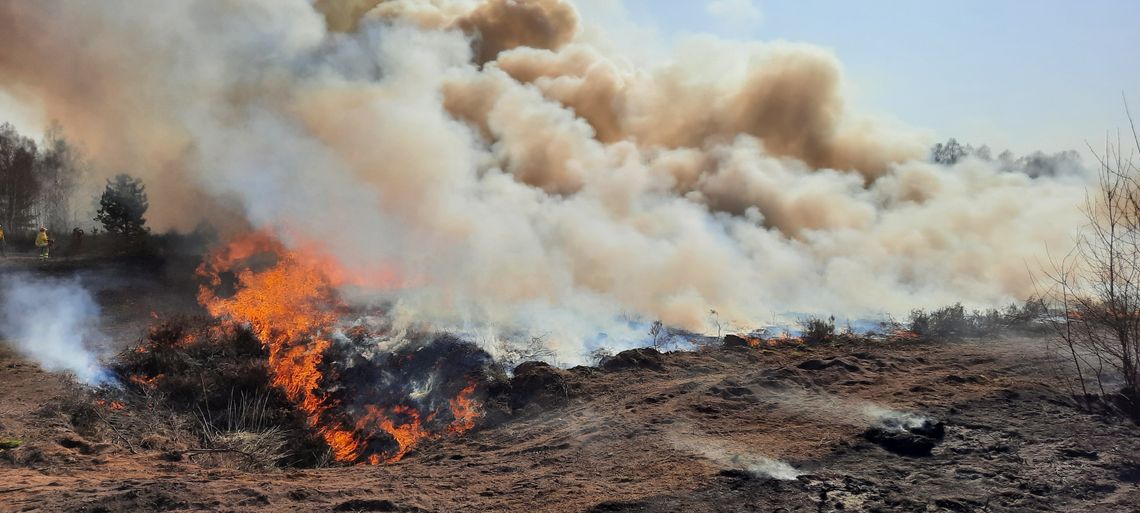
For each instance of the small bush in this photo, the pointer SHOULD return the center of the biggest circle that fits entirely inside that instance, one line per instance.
(819, 331)
(215, 381)
(599, 356)
(509, 354)
(662, 336)
(79, 409)
(244, 437)
(947, 323)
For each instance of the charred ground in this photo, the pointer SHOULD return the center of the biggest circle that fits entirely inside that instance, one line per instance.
(697, 431)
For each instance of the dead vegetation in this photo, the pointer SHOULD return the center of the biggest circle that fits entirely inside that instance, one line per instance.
(245, 433)
(1097, 287)
(818, 331)
(954, 322)
(209, 386)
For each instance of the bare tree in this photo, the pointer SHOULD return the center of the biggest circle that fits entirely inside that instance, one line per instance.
(599, 356)
(661, 335)
(19, 185)
(715, 316)
(60, 170)
(512, 353)
(1097, 285)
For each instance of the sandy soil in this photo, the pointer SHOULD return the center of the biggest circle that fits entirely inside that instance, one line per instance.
(690, 432)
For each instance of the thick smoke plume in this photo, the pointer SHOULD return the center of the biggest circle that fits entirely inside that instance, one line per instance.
(517, 177)
(53, 322)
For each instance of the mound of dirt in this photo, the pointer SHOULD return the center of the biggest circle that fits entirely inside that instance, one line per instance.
(735, 342)
(844, 364)
(907, 437)
(540, 385)
(642, 358)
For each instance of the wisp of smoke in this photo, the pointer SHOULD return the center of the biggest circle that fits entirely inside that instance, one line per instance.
(53, 322)
(725, 456)
(852, 412)
(764, 466)
(886, 417)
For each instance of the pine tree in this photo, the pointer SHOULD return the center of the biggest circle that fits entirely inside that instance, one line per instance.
(122, 205)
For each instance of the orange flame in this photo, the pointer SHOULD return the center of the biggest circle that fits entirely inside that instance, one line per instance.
(466, 411)
(905, 335)
(113, 405)
(407, 434)
(293, 309)
(343, 443)
(144, 381)
(782, 339)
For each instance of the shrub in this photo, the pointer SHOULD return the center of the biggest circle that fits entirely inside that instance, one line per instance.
(947, 323)
(216, 380)
(661, 335)
(818, 331)
(509, 354)
(245, 436)
(599, 356)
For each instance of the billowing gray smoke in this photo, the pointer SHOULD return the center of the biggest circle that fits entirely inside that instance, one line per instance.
(53, 322)
(518, 174)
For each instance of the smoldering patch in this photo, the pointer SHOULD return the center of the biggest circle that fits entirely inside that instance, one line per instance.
(904, 433)
(55, 323)
(731, 457)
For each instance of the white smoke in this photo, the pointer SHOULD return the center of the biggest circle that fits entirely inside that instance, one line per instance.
(53, 322)
(882, 416)
(521, 178)
(726, 454)
(849, 411)
(763, 466)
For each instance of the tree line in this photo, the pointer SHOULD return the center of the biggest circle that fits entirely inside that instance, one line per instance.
(1035, 165)
(39, 180)
(40, 187)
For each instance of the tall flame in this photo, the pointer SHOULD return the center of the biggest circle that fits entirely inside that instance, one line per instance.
(293, 309)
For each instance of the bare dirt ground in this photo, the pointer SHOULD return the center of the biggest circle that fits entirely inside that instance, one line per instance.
(684, 432)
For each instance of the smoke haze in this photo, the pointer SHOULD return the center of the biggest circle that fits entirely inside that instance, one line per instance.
(517, 176)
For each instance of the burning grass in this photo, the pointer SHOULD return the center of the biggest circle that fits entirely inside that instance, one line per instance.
(282, 372)
(371, 407)
(195, 369)
(278, 335)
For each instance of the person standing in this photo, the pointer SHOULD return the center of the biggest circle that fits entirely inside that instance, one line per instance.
(43, 241)
(76, 243)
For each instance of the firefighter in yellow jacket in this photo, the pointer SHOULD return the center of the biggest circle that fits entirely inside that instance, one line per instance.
(43, 242)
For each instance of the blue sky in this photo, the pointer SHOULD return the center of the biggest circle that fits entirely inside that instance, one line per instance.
(1019, 74)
